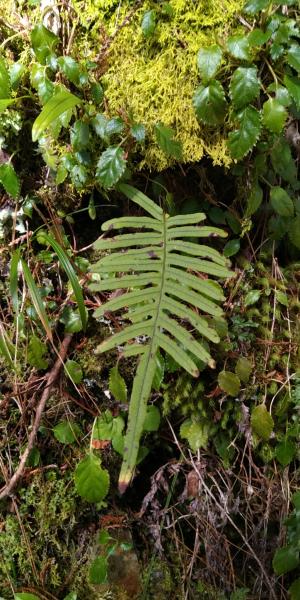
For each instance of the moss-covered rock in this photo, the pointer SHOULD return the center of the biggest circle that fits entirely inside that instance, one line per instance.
(153, 79)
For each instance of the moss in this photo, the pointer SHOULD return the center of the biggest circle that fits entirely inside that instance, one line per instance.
(154, 79)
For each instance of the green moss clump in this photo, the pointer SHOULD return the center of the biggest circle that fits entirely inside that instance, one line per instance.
(153, 79)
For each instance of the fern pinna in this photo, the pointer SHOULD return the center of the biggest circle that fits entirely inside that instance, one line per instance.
(160, 271)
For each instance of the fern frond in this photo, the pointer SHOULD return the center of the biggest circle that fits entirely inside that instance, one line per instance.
(164, 281)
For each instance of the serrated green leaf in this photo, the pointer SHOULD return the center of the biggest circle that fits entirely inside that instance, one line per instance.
(111, 166)
(274, 115)
(244, 86)
(66, 432)
(281, 202)
(253, 7)
(10, 180)
(91, 481)
(241, 141)
(293, 56)
(197, 433)
(210, 103)
(285, 452)
(238, 46)
(148, 23)
(165, 139)
(152, 419)
(294, 231)
(98, 570)
(293, 86)
(243, 369)
(117, 385)
(209, 59)
(285, 559)
(282, 298)
(36, 352)
(262, 422)
(254, 200)
(53, 109)
(257, 37)
(229, 383)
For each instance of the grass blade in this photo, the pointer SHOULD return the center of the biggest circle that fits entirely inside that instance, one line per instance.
(6, 347)
(36, 299)
(70, 272)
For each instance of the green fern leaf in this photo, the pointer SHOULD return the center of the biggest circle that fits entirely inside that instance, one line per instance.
(163, 290)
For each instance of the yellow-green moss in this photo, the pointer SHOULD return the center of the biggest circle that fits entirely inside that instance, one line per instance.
(154, 79)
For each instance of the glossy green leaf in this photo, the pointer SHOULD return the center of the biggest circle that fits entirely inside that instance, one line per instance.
(4, 103)
(285, 559)
(10, 180)
(258, 37)
(74, 371)
(36, 352)
(293, 86)
(244, 86)
(294, 590)
(117, 385)
(293, 56)
(159, 372)
(210, 103)
(238, 46)
(262, 422)
(242, 140)
(43, 42)
(165, 139)
(111, 166)
(253, 7)
(98, 570)
(66, 432)
(71, 596)
(274, 115)
(4, 81)
(148, 23)
(243, 369)
(232, 247)
(281, 202)
(91, 481)
(71, 320)
(283, 162)
(70, 68)
(55, 107)
(209, 60)
(294, 231)
(229, 383)
(152, 419)
(138, 131)
(254, 200)
(285, 452)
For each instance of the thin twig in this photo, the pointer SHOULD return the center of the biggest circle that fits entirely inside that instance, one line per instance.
(51, 379)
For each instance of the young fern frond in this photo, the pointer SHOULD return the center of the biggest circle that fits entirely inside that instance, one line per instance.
(160, 272)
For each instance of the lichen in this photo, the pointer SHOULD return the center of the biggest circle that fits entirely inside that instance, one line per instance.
(153, 79)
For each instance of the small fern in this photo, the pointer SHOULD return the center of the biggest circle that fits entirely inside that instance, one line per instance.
(160, 271)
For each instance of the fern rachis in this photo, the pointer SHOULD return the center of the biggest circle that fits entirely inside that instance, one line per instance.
(157, 268)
